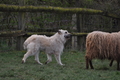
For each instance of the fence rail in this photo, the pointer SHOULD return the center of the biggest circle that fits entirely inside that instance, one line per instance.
(17, 8)
(23, 33)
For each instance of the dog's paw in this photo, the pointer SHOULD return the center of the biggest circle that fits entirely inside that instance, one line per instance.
(62, 64)
(40, 63)
(46, 62)
(23, 61)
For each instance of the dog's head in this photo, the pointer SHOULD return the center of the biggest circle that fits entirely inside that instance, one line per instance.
(64, 34)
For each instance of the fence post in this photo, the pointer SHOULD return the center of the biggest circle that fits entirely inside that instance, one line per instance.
(80, 39)
(118, 24)
(78, 29)
(78, 22)
(74, 38)
(21, 26)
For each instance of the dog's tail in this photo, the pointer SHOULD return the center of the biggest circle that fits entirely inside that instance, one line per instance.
(28, 40)
(25, 45)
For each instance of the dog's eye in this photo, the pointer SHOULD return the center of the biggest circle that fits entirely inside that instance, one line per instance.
(65, 32)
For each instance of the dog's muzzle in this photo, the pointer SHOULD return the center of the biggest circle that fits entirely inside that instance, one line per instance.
(67, 36)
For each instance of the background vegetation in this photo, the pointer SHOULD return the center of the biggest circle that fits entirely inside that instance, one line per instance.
(41, 21)
(52, 21)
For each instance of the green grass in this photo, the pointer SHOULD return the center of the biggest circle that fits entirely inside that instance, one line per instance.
(11, 68)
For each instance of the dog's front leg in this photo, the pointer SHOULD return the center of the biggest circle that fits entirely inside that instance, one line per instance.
(37, 58)
(49, 59)
(58, 58)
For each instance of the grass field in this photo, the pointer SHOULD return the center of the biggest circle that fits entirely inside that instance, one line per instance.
(11, 68)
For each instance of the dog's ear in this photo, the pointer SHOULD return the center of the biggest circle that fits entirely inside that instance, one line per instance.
(59, 32)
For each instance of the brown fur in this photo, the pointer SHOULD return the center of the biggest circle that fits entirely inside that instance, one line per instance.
(102, 45)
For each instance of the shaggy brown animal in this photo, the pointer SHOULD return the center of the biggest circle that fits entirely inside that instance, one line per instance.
(102, 45)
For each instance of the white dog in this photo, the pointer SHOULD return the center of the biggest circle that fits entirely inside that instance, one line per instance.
(52, 45)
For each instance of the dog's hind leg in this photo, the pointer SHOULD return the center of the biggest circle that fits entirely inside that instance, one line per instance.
(26, 56)
(58, 59)
(37, 58)
(49, 59)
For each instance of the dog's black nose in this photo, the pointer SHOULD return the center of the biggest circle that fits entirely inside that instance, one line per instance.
(68, 36)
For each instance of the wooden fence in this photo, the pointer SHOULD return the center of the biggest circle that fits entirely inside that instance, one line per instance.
(80, 19)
